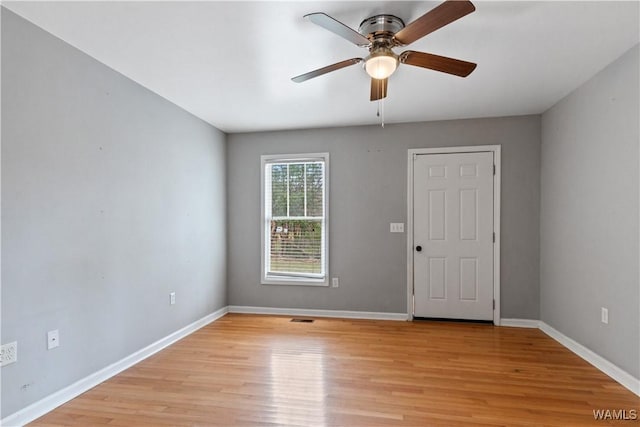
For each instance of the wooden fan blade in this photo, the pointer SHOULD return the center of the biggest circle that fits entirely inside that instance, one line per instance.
(436, 18)
(324, 70)
(337, 27)
(378, 89)
(439, 63)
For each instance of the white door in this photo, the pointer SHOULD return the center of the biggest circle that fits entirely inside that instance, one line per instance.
(453, 235)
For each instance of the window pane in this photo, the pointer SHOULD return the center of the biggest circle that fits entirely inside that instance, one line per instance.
(314, 189)
(279, 190)
(296, 246)
(296, 189)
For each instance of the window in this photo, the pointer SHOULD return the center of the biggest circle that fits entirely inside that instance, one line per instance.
(294, 219)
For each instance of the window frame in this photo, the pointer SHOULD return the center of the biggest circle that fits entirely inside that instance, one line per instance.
(266, 279)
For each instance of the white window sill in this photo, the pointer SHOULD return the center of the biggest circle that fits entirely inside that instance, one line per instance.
(294, 281)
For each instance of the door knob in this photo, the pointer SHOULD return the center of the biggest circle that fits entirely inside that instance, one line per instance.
(419, 248)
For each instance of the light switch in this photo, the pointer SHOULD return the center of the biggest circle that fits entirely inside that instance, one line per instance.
(397, 227)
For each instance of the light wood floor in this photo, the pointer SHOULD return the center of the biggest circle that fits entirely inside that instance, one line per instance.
(265, 370)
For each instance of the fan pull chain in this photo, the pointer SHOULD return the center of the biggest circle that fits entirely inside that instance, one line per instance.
(380, 112)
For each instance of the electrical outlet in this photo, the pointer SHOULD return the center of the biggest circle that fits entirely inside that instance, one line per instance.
(335, 282)
(396, 227)
(604, 313)
(9, 353)
(53, 339)
(172, 298)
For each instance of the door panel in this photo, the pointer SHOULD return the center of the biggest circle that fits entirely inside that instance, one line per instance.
(469, 279)
(468, 214)
(437, 278)
(437, 214)
(453, 223)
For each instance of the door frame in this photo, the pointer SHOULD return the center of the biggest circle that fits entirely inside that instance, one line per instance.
(412, 153)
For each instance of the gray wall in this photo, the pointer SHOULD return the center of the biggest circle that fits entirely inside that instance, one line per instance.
(111, 198)
(589, 214)
(368, 179)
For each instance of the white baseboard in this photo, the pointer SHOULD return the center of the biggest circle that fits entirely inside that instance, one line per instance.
(318, 313)
(49, 403)
(520, 323)
(624, 378)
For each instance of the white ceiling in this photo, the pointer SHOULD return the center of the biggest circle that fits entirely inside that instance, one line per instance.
(230, 63)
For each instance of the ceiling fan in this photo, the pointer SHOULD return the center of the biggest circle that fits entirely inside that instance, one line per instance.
(381, 33)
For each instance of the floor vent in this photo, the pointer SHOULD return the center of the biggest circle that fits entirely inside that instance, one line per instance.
(446, 319)
(302, 320)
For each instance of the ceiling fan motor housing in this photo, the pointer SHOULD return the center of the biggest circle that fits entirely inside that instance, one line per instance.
(381, 27)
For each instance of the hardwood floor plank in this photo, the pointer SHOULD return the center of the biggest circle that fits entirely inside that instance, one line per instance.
(266, 371)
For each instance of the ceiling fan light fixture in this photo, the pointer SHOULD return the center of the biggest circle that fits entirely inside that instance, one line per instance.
(380, 66)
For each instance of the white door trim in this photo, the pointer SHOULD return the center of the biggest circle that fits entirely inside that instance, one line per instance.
(495, 149)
